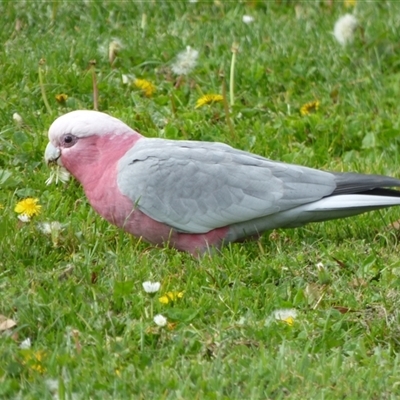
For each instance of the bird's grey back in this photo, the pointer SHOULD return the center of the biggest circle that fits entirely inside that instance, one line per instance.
(199, 186)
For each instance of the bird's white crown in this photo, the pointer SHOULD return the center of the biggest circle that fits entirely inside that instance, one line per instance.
(84, 123)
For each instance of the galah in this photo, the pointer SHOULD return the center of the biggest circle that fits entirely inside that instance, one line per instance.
(195, 195)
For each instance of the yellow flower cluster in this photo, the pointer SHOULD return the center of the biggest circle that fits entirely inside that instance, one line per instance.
(145, 86)
(170, 297)
(208, 99)
(34, 360)
(350, 3)
(308, 108)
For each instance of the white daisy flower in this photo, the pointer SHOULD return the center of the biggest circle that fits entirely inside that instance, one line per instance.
(287, 315)
(185, 61)
(247, 19)
(151, 287)
(345, 28)
(160, 320)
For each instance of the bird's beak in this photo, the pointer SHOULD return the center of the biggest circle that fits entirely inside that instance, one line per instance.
(52, 155)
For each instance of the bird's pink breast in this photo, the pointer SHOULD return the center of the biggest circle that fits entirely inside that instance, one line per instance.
(94, 163)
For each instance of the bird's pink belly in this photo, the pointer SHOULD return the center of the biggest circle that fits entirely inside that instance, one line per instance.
(120, 211)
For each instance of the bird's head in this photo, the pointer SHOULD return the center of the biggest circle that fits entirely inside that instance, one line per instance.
(69, 134)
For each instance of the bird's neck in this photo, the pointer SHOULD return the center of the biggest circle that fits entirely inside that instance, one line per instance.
(96, 156)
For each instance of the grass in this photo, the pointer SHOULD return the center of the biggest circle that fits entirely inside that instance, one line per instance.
(79, 297)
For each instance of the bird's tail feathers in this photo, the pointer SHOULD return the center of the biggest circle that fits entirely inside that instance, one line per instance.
(333, 207)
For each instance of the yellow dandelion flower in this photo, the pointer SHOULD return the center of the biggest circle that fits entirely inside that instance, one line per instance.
(170, 297)
(34, 360)
(350, 3)
(1, 207)
(61, 98)
(145, 86)
(208, 99)
(308, 108)
(286, 315)
(289, 321)
(28, 207)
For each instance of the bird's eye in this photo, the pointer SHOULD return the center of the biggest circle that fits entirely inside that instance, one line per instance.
(68, 140)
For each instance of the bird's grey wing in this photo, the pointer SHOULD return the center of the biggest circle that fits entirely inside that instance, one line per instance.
(198, 186)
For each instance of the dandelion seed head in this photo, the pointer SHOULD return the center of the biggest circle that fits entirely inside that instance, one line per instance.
(49, 228)
(345, 28)
(113, 48)
(185, 61)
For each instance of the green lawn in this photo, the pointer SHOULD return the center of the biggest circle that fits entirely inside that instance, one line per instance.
(78, 296)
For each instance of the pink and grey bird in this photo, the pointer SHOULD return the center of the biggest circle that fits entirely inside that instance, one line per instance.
(197, 195)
